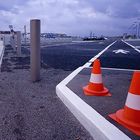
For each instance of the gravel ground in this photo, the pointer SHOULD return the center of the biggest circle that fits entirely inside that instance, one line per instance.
(32, 111)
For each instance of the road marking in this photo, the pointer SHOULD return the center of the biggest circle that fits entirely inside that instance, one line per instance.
(120, 51)
(120, 69)
(85, 41)
(99, 54)
(58, 44)
(114, 69)
(132, 46)
(96, 56)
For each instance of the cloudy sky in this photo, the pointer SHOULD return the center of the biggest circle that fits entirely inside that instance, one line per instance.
(74, 17)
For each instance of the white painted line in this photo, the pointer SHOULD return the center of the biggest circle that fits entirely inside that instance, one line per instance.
(132, 46)
(85, 41)
(71, 76)
(99, 54)
(88, 64)
(61, 44)
(120, 69)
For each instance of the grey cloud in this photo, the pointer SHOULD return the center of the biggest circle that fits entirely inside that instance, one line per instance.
(117, 8)
(109, 17)
(9, 4)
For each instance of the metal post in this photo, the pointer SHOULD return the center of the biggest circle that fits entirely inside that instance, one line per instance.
(35, 49)
(19, 43)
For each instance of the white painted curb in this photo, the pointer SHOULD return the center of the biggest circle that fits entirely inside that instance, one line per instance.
(94, 123)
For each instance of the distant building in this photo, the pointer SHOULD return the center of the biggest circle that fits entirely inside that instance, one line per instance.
(5, 36)
(54, 35)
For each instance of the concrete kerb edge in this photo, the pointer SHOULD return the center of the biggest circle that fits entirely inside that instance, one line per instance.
(94, 123)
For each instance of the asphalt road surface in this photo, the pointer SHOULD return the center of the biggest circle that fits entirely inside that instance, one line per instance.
(121, 55)
(72, 56)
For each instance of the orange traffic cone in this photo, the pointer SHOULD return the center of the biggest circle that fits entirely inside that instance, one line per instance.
(95, 86)
(129, 117)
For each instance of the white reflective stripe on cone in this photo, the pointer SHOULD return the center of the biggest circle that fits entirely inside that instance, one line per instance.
(133, 101)
(96, 78)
